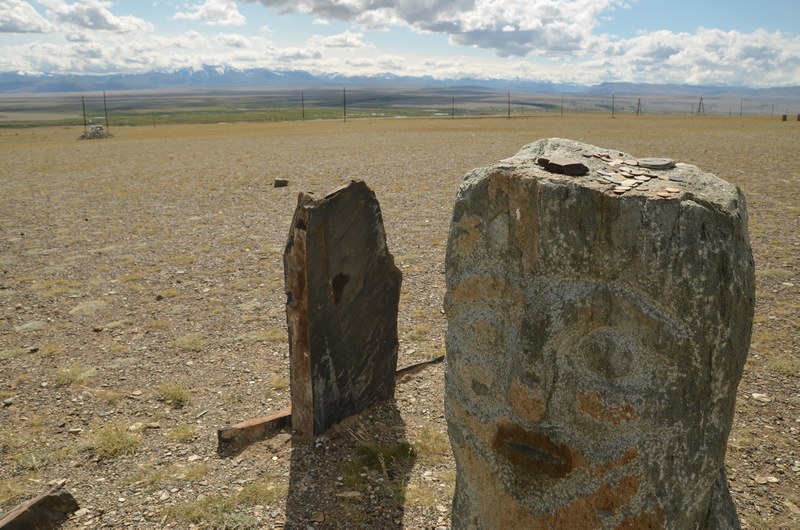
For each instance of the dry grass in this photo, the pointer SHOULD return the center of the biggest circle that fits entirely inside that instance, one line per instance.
(174, 393)
(182, 433)
(112, 440)
(171, 212)
(192, 342)
(73, 375)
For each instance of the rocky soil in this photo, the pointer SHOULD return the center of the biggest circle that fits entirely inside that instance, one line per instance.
(141, 309)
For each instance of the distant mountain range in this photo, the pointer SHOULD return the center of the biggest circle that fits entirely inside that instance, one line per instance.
(216, 78)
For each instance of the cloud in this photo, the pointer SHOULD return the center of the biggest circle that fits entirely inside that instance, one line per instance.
(92, 53)
(707, 56)
(510, 27)
(93, 15)
(17, 16)
(213, 13)
(233, 40)
(343, 40)
(551, 40)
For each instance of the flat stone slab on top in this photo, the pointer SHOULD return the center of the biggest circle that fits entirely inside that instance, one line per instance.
(343, 290)
(563, 165)
(656, 163)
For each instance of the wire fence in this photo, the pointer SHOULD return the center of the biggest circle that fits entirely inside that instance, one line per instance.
(152, 108)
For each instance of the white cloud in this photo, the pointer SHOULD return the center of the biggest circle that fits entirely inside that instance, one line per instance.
(233, 40)
(510, 27)
(550, 40)
(93, 15)
(98, 54)
(17, 16)
(708, 56)
(213, 13)
(343, 40)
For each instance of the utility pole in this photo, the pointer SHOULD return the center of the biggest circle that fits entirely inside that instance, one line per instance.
(509, 105)
(701, 110)
(302, 106)
(85, 127)
(453, 108)
(612, 105)
(105, 107)
(344, 101)
(639, 110)
(562, 105)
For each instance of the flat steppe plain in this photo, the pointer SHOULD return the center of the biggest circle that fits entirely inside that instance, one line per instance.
(142, 308)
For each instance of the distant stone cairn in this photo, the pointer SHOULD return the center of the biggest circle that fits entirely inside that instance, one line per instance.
(599, 319)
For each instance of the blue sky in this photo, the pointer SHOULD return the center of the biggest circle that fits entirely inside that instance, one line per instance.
(720, 42)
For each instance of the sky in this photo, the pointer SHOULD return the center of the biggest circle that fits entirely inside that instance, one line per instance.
(696, 42)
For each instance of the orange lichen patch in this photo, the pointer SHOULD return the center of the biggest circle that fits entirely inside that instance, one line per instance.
(527, 401)
(479, 378)
(585, 313)
(644, 521)
(591, 404)
(499, 181)
(466, 241)
(584, 512)
(486, 290)
(486, 336)
(535, 453)
(626, 458)
(496, 508)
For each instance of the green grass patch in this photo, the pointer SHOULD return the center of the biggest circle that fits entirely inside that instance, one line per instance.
(56, 287)
(170, 292)
(265, 335)
(112, 440)
(192, 342)
(226, 511)
(431, 444)
(419, 332)
(13, 353)
(174, 393)
(212, 512)
(15, 489)
(182, 433)
(786, 365)
(73, 375)
(109, 396)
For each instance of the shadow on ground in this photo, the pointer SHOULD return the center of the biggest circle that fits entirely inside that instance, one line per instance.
(354, 476)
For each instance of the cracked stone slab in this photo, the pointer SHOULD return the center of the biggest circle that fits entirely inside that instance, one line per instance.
(343, 290)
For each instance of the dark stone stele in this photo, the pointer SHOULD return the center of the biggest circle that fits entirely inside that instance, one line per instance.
(343, 290)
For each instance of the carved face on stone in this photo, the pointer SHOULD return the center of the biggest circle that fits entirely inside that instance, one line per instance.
(576, 397)
(568, 381)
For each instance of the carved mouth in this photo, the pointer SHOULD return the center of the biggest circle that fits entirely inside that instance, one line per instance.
(535, 453)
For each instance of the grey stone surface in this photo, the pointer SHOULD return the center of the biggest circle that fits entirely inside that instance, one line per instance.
(595, 343)
(343, 290)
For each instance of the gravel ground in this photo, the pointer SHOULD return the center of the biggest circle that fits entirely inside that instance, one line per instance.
(141, 309)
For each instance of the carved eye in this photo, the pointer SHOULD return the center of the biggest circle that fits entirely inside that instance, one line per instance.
(608, 352)
(486, 338)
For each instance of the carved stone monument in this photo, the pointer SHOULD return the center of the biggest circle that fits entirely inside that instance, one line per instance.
(598, 326)
(343, 290)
